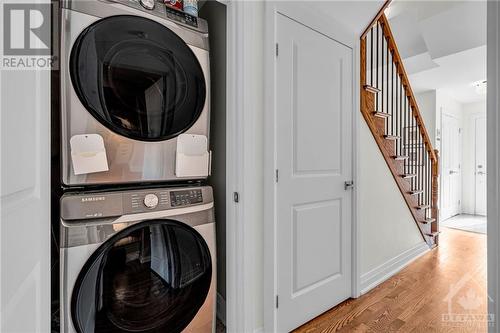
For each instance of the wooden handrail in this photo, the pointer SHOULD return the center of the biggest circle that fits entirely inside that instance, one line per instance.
(375, 19)
(406, 82)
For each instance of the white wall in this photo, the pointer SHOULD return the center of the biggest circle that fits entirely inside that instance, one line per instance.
(387, 228)
(446, 104)
(470, 112)
(426, 102)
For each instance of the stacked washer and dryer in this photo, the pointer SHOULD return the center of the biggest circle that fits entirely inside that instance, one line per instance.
(137, 228)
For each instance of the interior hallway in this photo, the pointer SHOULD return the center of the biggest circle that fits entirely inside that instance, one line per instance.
(414, 300)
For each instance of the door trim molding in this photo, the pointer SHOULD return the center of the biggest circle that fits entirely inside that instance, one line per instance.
(240, 146)
(335, 31)
(475, 116)
(493, 163)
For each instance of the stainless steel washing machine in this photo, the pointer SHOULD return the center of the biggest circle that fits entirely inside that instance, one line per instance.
(134, 78)
(138, 261)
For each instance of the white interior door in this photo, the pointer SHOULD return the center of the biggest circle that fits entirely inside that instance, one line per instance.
(451, 168)
(480, 165)
(314, 158)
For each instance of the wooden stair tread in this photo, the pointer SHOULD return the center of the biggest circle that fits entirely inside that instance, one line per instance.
(371, 89)
(427, 221)
(423, 207)
(379, 114)
(409, 175)
(400, 157)
(416, 192)
(432, 234)
(392, 137)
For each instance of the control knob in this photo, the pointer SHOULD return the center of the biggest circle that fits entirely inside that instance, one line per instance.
(148, 4)
(151, 200)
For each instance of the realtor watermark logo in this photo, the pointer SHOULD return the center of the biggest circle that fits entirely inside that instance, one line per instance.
(467, 301)
(27, 36)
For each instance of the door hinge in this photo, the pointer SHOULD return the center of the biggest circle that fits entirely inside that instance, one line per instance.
(348, 185)
(277, 301)
(277, 175)
(236, 197)
(277, 49)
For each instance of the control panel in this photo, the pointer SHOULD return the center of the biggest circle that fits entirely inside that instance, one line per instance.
(111, 204)
(141, 201)
(182, 17)
(158, 8)
(185, 197)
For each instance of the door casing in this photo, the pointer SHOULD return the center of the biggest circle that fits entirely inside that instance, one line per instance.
(476, 210)
(333, 30)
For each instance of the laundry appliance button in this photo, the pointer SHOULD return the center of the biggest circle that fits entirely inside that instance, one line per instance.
(151, 200)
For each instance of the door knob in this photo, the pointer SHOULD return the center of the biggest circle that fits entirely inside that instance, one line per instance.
(481, 173)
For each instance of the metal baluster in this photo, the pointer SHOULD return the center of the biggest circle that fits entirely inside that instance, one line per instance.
(414, 147)
(392, 89)
(420, 157)
(398, 110)
(371, 57)
(387, 56)
(401, 120)
(377, 85)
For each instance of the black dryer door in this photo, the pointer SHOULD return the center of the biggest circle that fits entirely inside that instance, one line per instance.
(151, 277)
(137, 78)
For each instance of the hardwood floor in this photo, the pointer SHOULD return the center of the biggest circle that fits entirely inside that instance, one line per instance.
(414, 300)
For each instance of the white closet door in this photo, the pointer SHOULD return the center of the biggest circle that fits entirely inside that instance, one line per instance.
(314, 156)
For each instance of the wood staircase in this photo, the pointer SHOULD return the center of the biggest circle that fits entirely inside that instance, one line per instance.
(390, 109)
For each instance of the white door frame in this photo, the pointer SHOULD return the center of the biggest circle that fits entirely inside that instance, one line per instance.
(493, 163)
(239, 219)
(474, 118)
(332, 29)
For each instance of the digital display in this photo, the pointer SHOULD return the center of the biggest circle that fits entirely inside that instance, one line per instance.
(182, 17)
(186, 197)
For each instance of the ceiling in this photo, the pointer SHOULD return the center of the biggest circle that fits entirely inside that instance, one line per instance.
(354, 15)
(443, 45)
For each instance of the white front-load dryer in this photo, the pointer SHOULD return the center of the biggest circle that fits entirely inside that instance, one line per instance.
(135, 76)
(138, 261)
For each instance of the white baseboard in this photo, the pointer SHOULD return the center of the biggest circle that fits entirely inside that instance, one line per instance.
(383, 272)
(221, 308)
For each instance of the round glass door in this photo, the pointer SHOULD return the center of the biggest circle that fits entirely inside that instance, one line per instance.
(137, 78)
(151, 277)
